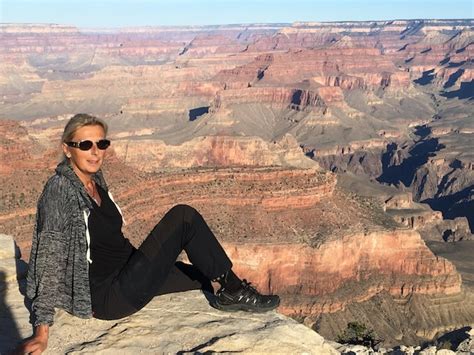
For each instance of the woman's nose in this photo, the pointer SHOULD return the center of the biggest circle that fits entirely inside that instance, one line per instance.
(94, 149)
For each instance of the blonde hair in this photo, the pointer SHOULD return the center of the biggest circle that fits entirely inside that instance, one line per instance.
(78, 121)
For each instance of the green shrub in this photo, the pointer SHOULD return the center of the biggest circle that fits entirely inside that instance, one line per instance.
(358, 334)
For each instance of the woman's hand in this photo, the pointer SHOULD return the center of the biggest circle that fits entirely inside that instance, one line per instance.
(37, 343)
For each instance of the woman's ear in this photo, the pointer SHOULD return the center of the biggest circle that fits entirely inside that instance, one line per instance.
(66, 151)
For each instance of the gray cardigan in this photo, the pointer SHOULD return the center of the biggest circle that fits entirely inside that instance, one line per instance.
(58, 273)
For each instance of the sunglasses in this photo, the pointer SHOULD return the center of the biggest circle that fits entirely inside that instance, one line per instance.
(87, 144)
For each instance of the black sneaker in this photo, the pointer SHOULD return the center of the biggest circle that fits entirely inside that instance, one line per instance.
(246, 298)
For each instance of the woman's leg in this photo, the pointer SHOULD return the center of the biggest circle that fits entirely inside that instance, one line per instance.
(147, 271)
(108, 301)
(185, 277)
(182, 228)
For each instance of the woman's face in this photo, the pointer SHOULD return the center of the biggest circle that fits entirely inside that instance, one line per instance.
(86, 162)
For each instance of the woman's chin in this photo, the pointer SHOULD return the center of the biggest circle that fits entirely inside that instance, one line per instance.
(90, 170)
(94, 167)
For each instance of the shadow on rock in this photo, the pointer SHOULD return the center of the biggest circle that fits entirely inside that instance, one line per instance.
(452, 339)
(466, 91)
(417, 157)
(9, 333)
(459, 204)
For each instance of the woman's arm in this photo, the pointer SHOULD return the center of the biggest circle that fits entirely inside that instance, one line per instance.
(37, 343)
(46, 265)
(44, 274)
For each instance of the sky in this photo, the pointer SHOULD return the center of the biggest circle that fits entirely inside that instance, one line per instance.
(125, 13)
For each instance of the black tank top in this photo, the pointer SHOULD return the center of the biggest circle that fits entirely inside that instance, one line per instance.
(109, 248)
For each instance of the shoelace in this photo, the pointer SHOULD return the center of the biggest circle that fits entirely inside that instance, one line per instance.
(249, 291)
(247, 285)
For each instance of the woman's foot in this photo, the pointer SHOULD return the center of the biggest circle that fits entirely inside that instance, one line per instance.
(246, 298)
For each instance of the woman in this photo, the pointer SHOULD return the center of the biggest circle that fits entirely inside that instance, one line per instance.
(81, 262)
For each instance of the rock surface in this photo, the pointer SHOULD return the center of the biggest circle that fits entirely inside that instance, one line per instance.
(175, 323)
(465, 347)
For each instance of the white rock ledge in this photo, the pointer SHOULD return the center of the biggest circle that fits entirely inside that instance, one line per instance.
(180, 322)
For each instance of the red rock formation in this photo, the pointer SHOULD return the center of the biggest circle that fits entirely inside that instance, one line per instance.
(333, 96)
(318, 280)
(268, 95)
(18, 150)
(212, 151)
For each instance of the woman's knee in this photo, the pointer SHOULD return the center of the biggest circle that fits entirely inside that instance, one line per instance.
(182, 212)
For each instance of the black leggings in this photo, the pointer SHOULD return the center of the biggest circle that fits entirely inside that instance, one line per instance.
(152, 269)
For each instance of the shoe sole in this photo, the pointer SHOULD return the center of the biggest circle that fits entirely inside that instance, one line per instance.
(242, 307)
